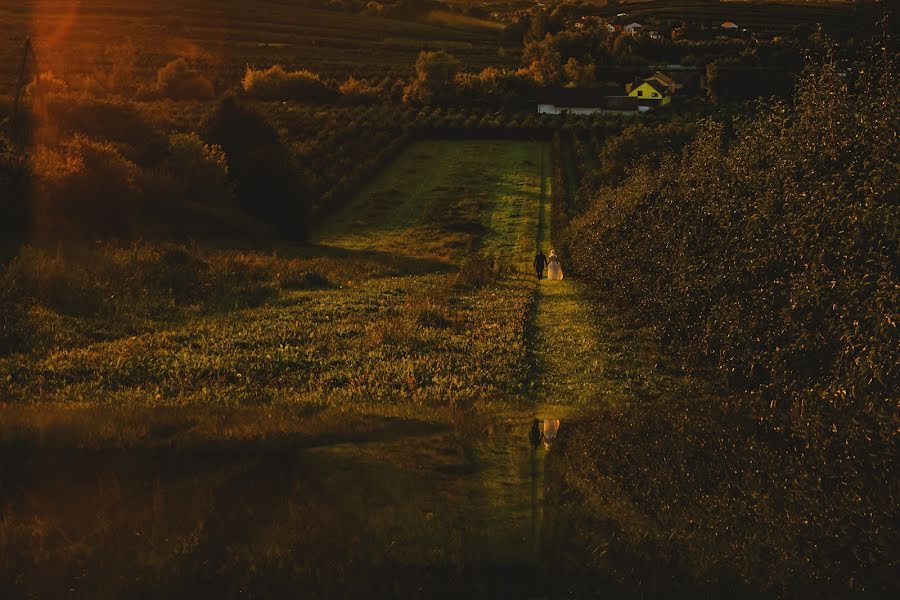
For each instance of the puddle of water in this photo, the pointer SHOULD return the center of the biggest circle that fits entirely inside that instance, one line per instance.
(406, 510)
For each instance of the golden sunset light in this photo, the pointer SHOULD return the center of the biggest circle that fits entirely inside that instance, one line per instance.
(449, 299)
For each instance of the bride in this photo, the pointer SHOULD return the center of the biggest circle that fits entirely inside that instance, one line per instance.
(554, 270)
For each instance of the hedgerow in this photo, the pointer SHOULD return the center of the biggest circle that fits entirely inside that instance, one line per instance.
(765, 256)
(769, 248)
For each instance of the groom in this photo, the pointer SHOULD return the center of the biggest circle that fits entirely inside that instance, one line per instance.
(539, 262)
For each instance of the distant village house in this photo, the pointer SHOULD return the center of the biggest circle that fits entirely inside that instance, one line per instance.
(655, 90)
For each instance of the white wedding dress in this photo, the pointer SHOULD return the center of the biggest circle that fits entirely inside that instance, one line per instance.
(554, 270)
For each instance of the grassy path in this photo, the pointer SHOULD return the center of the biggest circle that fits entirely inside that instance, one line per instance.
(564, 339)
(566, 347)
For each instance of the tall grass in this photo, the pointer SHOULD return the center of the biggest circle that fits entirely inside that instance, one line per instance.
(121, 285)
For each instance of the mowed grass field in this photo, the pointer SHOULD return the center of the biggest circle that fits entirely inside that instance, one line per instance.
(223, 37)
(406, 320)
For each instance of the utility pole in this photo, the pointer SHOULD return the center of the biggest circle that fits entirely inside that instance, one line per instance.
(27, 51)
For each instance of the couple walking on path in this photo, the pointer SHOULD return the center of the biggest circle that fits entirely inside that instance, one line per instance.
(554, 269)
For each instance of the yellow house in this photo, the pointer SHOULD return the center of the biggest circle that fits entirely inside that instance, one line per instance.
(652, 90)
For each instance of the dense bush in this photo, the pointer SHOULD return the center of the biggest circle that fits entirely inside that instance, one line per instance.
(203, 169)
(358, 91)
(435, 75)
(114, 120)
(639, 143)
(179, 81)
(275, 83)
(267, 180)
(769, 249)
(15, 176)
(84, 188)
(765, 253)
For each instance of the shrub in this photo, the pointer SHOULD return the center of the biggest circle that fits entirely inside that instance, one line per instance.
(435, 77)
(113, 120)
(15, 180)
(268, 181)
(85, 188)
(110, 68)
(45, 84)
(275, 83)
(358, 91)
(202, 168)
(179, 81)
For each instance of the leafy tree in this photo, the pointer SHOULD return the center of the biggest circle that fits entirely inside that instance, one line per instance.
(544, 62)
(202, 169)
(583, 75)
(769, 248)
(539, 26)
(435, 75)
(267, 180)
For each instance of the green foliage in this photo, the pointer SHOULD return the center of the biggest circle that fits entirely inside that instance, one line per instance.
(179, 81)
(267, 181)
(202, 168)
(114, 120)
(435, 75)
(275, 83)
(768, 250)
(84, 187)
(358, 91)
(15, 180)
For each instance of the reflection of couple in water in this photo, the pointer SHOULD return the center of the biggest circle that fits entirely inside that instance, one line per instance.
(554, 269)
(543, 431)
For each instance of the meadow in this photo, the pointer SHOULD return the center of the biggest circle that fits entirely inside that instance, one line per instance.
(374, 389)
(324, 310)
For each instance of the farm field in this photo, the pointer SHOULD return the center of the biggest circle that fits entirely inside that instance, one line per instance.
(387, 412)
(224, 37)
(412, 231)
(837, 17)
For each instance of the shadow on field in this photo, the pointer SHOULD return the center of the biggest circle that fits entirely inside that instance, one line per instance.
(401, 508)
